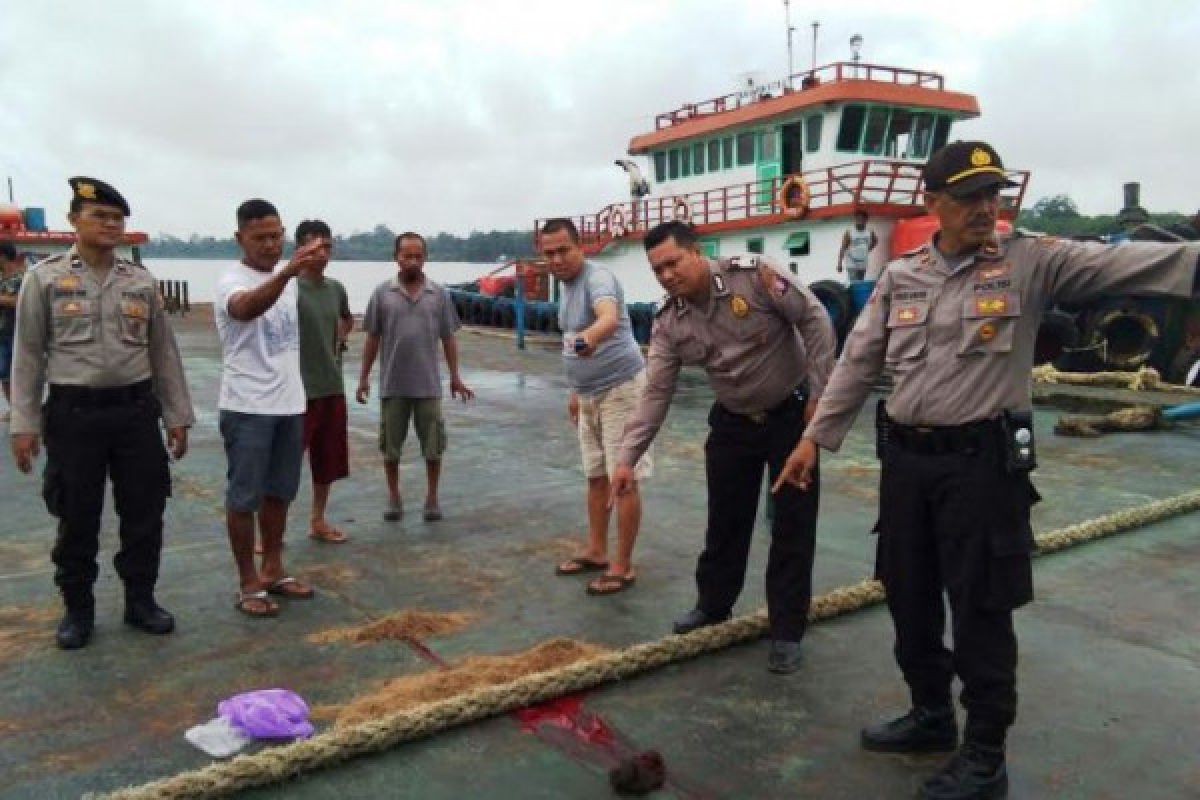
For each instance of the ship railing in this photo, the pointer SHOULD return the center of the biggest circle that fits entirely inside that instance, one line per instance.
(893, 187)
(809, 79)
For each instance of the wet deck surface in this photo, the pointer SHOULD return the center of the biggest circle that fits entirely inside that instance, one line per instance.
(1110, 652)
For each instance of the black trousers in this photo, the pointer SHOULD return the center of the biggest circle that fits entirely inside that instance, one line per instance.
(958, 524)
(735, 453)
(85, 444)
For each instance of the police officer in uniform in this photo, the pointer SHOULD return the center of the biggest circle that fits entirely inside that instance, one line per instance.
(955, 322)
(91, 325)
(768, 347)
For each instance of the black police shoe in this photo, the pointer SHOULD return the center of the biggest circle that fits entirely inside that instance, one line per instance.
(921, 730)
(75, 629)
(976, 772)
(145, 614)
(697, 618)
(784, 658)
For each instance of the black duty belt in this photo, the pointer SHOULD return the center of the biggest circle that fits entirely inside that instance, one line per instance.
(967, 439)
(795, 398)
(90, 397)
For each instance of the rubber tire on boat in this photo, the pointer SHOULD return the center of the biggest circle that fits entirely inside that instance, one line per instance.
(836, 299)
(1056, 334)
(1130, 332)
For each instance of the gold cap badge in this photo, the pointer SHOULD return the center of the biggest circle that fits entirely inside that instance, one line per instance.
(980, 157)
(86, 190)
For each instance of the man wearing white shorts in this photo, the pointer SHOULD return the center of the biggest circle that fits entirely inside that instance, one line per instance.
(607, 375)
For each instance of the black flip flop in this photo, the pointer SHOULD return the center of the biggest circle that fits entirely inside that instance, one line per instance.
(578, 566)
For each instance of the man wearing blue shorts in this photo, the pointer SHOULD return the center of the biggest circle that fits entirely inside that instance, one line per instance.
(261, 402)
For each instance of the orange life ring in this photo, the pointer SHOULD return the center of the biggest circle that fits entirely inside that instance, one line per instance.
(681, 211)
(789, 202)
(616, 223)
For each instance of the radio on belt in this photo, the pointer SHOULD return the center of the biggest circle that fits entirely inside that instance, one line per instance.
(1020, 453)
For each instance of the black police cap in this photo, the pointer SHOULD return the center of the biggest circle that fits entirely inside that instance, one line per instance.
(961, 168)
(95, 191)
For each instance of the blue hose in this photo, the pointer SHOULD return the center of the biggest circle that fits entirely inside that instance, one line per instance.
(1183, 411)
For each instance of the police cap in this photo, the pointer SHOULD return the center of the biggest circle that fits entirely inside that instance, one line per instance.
(961, 168)
(94, 191)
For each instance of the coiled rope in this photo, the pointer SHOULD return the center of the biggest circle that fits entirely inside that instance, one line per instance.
(277, 764)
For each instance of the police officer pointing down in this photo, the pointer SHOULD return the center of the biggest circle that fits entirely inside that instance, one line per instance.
(768, 347)
(955, 321)
(91, 325)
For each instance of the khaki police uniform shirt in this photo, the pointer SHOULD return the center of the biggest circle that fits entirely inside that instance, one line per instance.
(760, 335)
(73, 330)
(960, 341)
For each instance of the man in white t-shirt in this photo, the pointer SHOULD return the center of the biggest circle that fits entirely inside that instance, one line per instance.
(857, 244)
(261, 402)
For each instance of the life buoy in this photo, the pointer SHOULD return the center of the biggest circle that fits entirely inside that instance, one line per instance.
(681, 211)
(794, 196)
(616, 223)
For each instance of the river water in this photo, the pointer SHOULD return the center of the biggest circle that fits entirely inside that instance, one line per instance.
(359, 277)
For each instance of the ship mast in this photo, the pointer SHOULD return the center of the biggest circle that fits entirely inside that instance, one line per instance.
(787, 15)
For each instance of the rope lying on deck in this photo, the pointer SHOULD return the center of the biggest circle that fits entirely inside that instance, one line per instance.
(277, 764)
(1143, 379)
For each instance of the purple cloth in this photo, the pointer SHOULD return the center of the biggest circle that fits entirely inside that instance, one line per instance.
(268, 714)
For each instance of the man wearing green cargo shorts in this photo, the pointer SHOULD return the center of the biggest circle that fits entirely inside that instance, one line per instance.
(406, 318)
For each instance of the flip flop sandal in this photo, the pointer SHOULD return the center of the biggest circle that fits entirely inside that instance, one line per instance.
(579, 565)
(269, 607)
(610, 584)
(290, 587)
(332, 536)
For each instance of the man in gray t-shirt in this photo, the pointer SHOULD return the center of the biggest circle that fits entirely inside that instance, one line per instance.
(407, 317)
(607, 375)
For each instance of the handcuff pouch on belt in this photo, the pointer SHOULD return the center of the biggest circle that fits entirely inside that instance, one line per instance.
(1020, 454)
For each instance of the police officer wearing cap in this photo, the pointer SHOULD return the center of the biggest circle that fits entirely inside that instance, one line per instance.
(955, 322)
(91, 325)
(768, 347)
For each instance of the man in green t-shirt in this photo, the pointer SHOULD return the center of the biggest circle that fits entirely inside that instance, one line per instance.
(325, 322)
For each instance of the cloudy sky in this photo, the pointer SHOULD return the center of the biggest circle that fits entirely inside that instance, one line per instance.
(462, 115)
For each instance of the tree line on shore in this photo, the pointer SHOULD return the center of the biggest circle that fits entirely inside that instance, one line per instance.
(1055, 215)
(1058, 215)
(375, 245)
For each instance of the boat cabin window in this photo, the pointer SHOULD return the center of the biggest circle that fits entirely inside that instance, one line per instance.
(660, 166)
(685, 162)
(714, 155)
(745, 148)
(941, 132)
(876, 130)
(755, 245)
(851, 129)
(812, 133)
(766, 146)
(698, 158)
(727, 151)
(922, 136)
(673, 159)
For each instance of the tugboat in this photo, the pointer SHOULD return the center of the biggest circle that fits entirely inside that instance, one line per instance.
(780, 169)
(26, 229)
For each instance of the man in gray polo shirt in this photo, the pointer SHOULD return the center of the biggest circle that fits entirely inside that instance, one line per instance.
(406, 318)
(607, 375)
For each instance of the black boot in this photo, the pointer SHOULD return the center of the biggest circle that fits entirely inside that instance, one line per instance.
(697, 618)
(976, 772)
(144, 614)
(75, 629)
(921, 730)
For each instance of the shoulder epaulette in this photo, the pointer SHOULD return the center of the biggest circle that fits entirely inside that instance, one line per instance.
(662, 305)
(739, 262)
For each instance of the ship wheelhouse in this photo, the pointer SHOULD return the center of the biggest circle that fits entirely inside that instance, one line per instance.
(780, 168)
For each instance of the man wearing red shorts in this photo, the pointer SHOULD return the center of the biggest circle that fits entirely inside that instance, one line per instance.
(325, 322)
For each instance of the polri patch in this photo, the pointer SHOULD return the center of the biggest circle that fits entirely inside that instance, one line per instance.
(68, 283)
(135, 308)
(987, 331)
(908, 314)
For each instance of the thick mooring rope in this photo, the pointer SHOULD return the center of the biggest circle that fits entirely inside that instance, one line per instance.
(1143, 379)
(276, 764)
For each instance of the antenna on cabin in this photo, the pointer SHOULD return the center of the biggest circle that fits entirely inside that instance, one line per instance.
(856, 42)
(815, 26)
(787, 15)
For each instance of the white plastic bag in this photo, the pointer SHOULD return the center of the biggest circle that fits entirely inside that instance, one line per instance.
(217, 737)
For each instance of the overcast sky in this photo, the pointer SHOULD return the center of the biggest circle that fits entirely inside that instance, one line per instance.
(462, 115)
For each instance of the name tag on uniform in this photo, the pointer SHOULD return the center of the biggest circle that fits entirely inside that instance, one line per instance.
(992, 273)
